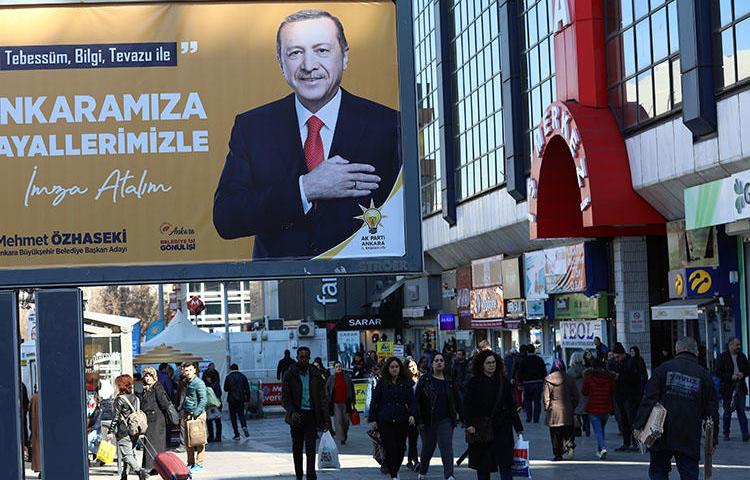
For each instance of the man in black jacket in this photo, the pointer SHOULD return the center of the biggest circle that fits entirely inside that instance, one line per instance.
(628, 391)
(686, 390)
(531, 373)
(732, 368)
(303, 396)
(284, 364)
(238, 392)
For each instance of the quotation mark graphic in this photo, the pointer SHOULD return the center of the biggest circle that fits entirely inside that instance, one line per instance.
(189, 47)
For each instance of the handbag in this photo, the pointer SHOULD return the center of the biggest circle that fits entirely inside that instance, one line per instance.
(173, 417)
(106, 452)
(196, 432)
(355, 417)
(484, 431)
(212, 401)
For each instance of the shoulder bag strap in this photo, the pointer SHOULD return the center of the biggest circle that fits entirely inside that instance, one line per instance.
(134, 409)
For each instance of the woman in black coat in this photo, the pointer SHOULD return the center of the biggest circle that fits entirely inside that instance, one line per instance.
(489, 401)
(154, 403)
(393, 408)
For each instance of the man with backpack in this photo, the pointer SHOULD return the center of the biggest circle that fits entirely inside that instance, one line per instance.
(238, 392)
(193, 408)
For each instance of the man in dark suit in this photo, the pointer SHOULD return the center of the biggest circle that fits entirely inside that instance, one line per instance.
(299, 168)
(732, 368)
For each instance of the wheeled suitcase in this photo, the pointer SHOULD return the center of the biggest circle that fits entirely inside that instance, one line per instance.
(167, 464)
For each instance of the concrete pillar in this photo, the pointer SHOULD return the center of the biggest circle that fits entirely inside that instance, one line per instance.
(10, 382)
(62, 404)
(631, 294)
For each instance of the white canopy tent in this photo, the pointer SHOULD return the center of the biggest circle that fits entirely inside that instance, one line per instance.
(183, 335)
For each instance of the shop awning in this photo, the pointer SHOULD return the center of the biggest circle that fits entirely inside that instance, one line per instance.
(378, 300)
(686, 309)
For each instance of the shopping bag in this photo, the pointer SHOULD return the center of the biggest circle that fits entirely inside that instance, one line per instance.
(378, 453)
(106, 452)
(520, 466)
(196, 432)
(328, 452)
(355, 417)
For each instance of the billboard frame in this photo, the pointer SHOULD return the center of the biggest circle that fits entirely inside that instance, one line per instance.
(411, 262)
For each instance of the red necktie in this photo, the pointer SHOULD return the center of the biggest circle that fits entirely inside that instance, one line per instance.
(313, 144)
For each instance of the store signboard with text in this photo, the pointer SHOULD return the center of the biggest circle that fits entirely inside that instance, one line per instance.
(718, 202)
(581, 333)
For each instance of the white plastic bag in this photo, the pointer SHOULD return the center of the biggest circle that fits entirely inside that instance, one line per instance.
(520, 466)
(328, 452)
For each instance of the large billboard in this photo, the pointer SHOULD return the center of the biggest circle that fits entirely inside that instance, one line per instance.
(163, 141)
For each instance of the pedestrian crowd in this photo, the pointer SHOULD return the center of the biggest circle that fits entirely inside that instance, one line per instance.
(141, 411)
(427, 399)
(423, 401)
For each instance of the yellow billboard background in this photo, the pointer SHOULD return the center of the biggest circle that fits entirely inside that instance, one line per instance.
(234, 69)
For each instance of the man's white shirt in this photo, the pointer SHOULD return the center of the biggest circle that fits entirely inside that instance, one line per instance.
(329, 115)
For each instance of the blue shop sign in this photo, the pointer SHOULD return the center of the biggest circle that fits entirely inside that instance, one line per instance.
(534, 309)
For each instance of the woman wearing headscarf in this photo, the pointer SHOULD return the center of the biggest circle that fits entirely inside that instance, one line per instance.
(560, 396)
(155, 404)
(576, 370)
(491, 417)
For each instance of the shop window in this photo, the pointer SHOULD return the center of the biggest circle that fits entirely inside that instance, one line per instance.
(642, 51)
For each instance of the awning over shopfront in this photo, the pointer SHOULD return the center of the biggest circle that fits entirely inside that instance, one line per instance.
(684, 309)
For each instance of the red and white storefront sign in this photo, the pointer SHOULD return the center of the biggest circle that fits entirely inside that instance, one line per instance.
(271, 394)
(580, 183)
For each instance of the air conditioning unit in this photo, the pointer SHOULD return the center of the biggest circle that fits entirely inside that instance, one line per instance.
(306, 329)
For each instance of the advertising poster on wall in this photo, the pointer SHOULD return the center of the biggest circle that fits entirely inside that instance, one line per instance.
(487, 303)
(534, 264)
(171, 135)
(487, 272)
(348, 346)
(565, 269)
(463, 296)
(384, 350)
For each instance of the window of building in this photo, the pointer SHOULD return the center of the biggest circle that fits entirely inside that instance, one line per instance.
(477, 112)
(732, 42)
(539, 62)
(425, 59)
(643, 60)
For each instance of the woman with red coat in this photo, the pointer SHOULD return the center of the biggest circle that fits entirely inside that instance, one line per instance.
(599, 387)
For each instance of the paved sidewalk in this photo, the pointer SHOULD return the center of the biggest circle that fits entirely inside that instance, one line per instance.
(266, 454)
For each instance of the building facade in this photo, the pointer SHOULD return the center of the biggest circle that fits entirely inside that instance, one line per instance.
(563, 134)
